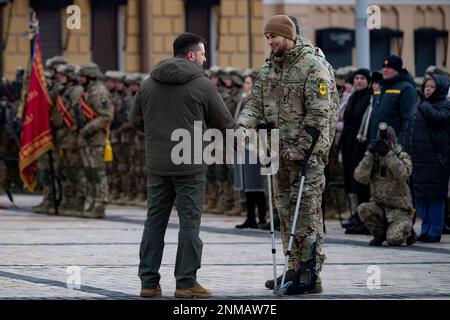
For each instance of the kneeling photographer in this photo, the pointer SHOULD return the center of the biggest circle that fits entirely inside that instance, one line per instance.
(386, 168)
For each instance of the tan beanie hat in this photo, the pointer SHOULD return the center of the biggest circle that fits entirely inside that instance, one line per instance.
(281, 25)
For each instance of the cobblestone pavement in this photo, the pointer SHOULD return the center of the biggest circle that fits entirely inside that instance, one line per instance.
(37, 251)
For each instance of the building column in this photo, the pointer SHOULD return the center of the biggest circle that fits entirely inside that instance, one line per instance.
(406, 24)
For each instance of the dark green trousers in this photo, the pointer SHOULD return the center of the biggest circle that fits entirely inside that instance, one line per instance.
(162, 191)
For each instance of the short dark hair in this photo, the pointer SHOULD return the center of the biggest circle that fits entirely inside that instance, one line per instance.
(187, 42)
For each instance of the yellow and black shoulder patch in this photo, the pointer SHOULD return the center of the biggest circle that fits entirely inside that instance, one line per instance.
(323, 90)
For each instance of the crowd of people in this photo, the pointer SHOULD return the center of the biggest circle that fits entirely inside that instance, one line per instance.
(418, 110)
(391, 133)
(385, 193)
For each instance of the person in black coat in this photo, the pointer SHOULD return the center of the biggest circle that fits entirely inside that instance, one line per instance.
(353, 150)
(394, 102)
(429, 147)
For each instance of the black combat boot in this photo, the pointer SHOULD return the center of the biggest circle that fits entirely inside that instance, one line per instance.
(376, 242)
(248, 223)
(359, 228)
(290, 276)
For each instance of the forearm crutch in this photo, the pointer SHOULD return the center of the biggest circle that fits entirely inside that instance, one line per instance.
(314, 133)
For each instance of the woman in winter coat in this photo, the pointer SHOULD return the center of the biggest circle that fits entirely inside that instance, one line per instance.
(353, 150)
(247, 177)
(429, 147)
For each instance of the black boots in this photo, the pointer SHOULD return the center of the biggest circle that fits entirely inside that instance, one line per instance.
(376, 242)
(248, 223)
(290, 275)
(351, 222)
(412, 238)
(354, 225)
(357, 228)
(251, 223)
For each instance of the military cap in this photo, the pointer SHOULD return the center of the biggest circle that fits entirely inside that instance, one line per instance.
(343, 72)
(133, 78)
(91, 70)
(70, 70)
(237, 76)
(115, 75)
(418, 81)
(55, 61)
(225, 73)
(437, 70)
(214, 69)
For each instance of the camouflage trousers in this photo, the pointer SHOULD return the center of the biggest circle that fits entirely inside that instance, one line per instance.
(309, 228)
(74, 182)
(94, 167)
(44, 176)
(392, 224)
(125, 168)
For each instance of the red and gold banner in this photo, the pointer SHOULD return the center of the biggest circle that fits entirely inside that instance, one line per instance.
(65, 114)
(36, 138)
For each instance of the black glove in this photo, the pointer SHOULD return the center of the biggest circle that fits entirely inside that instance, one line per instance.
(371, 146)
(382, 148)
(267, 126)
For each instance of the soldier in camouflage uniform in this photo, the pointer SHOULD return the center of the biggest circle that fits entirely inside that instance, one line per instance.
(115, 82)
(71, 169)
(97, 116)
(296, 92)
(230, 93)
(42, 163)
(212, 192)
(127, 140)
(386, 168)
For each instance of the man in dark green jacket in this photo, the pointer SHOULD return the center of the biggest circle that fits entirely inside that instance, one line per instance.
(176, 94)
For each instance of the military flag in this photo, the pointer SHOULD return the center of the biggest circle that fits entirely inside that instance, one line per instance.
(36, 137)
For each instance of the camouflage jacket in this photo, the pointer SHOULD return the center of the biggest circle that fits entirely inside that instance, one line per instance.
(231, 97)
(98, 99)
(294, 92)
(388, 178)
(65, 136)
(120, 115)
(334, 94)
(128, 131)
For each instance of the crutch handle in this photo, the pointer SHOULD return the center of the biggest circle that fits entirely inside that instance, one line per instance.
(314, 133)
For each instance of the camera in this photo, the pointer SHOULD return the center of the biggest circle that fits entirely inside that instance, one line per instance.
(383, 130)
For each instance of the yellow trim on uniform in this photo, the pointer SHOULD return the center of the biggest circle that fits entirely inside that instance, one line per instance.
(377, 92)
(393, 91)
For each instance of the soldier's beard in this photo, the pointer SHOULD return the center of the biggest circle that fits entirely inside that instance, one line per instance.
(282, 49)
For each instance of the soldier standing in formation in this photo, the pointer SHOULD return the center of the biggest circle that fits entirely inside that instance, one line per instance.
(65, 124)
(44, 171)
(97, 115)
